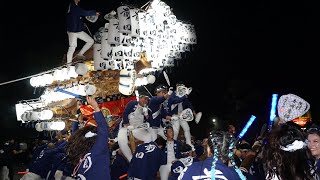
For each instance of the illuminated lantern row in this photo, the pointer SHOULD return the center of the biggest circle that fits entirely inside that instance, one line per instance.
(35, 115)
(59, 75)
(131, 31)
(50, 126)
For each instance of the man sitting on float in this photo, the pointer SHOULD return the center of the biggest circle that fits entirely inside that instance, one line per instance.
(134, 115)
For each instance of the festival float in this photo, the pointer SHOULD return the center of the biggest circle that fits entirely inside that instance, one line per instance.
(133, 45)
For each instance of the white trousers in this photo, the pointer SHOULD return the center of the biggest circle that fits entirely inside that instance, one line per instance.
(31, 175)
(155, 132)
(73, 38)
(59, 175)
(186, 129)
(140, 134)
(4, 173)
(164, 171)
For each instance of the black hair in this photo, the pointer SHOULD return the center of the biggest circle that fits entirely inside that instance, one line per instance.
(165, 129)
(160, 141)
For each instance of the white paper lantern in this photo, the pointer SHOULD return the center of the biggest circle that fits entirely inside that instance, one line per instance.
(58, 125)
(34, 82)
(57, 75)
(48, 79)
(134, 18)
(72, 72)
(81, 68)
(113, 32)
(127, 81)
(46, 126)
(106, 48)
(143, 24)
(46, 114)
(38, 127)
(125, 39)
(90, 89)
(151, 79)
(64, 74)
(24, 116)
(124, 19)
(34, 116)
(99, 64)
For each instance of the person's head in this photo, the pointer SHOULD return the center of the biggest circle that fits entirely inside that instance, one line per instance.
(143, 99)
(11, 140)
(180, 83)
(244, 148)
(160, 142)
(76, 1)
(168, 132)
(313, 136)
(220, 146)
(236, 159)
(161, 90)
(231, 129)
(51, 145)
(186, 150)
(80, 143)
(284, 153)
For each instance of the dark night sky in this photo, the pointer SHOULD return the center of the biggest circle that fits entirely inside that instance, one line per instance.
(246, 51)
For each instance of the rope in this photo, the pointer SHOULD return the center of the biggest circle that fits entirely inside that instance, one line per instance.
(49, 71)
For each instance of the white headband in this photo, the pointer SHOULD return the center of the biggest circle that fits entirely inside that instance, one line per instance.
(90, 134)
(296, 145)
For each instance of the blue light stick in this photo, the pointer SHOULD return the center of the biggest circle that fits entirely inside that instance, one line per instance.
(273, 110)
(246, 127)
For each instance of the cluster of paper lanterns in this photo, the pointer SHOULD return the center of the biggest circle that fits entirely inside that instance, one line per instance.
(61, 74)
(37, 115)
(50, 126)
(131, 31)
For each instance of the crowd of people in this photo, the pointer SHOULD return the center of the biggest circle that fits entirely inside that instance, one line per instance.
(147, 145)
(285, 151)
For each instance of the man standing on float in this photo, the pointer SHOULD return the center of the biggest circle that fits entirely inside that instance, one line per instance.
(75, 29)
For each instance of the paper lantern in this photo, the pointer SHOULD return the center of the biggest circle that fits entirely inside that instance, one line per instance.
(125, 39)
(143, 24)
(58, 125)
(127, 81)
(48, 79)
(72, 72)
(134, 18)
(33, 116)
(89, 89)
(124, 19)
(99, 64)
(81, 69)
(151, 79)
(46, 114)
(24, 116)
(57, 75)
(34, 82)
(106, 48)
(38, 127)
(46, 126)
(113, 32)
(64, 74)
